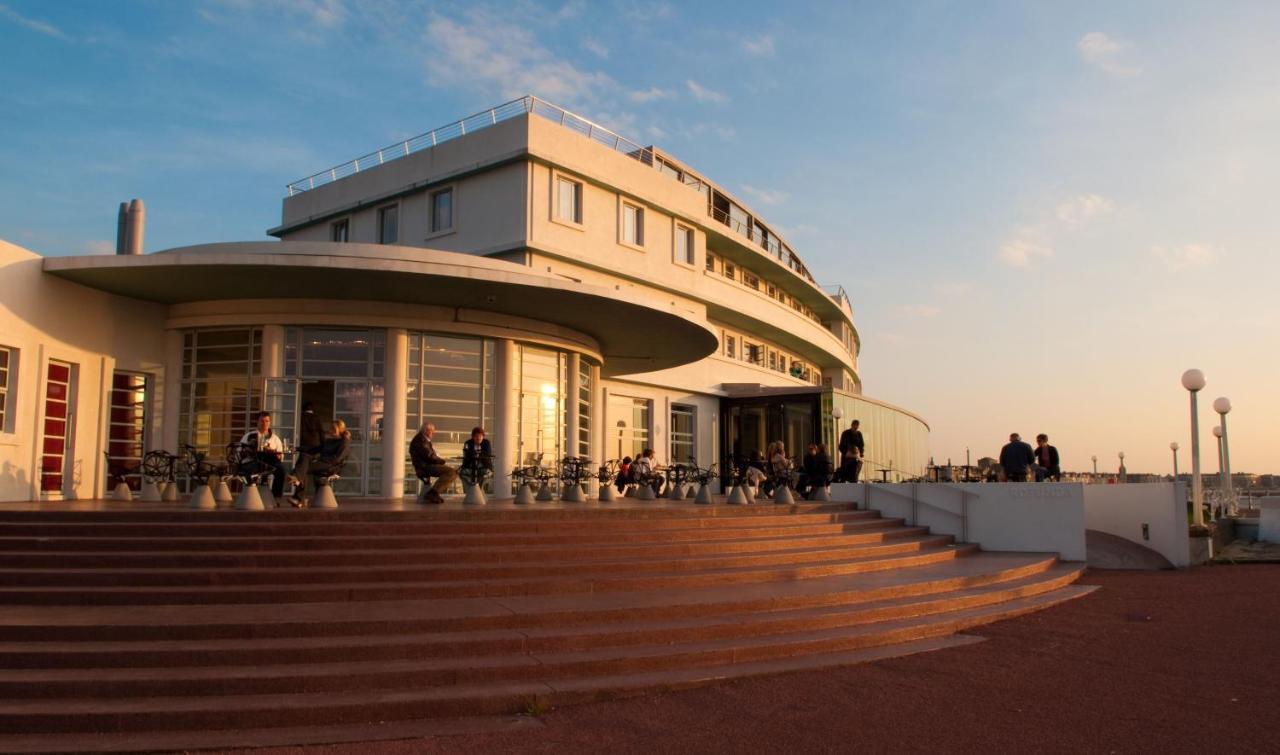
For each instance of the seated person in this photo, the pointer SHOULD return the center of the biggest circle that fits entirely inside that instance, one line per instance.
(267, 453)
(427, 464)
(328, 460)
(780, 468)
(756, 476)
(477, 455)
(624, 477)
(816, 472)
(645, 470)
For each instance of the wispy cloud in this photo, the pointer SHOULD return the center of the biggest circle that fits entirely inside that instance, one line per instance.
(765, 196)
(1077, 210)
(1026, 245)
(649, 95)
(703, 94)
(919, 310)
(595, 47)
(953, 288)
(761, 46)
(34, 24)
(1187, 256)
(1106, 53)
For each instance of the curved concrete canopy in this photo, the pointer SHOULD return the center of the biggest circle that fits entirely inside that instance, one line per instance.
(634, 335)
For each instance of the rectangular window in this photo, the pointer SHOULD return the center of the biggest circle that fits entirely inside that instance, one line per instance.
(442, 210)
(60, 387)
(632, 225)
(730, 346)
(585, 389)
(752, 352)
(389, 225)
(772, 291)
(684, 245)
(6, 367)
(711, 262)
(683, 432)
(126, 431)
(750, 280)
(773, 359)
(568, 200)
(730, 271)
(340, 231)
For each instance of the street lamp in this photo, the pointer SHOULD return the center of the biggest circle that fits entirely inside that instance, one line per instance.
(1222, 406)
(1095, 464)
(1124, 473)
(1193, 381)
(1222, 480)
(1174, 447)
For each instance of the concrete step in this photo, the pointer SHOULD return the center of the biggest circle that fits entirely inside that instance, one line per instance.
(581, 676)
(33, 628)
(551, 564)
(579, 581)
(73, 668)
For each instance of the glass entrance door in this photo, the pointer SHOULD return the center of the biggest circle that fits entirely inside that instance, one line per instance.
(351, 405)
(59, 427)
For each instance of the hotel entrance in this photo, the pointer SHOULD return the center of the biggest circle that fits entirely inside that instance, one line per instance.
(752, 423)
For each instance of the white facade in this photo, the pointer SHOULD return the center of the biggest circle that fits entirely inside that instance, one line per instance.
(570, 295)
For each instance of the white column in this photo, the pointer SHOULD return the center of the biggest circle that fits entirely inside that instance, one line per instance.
(599, 444)
(574, 413)
(506, 393)
(272, 351)
(394, 412)
(168, 403)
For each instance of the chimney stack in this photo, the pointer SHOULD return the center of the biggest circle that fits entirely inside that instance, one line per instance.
(131, 225)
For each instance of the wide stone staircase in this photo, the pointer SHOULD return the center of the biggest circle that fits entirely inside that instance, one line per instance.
(172, 629)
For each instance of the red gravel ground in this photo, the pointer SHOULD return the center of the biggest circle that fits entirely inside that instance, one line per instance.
(1165, 662)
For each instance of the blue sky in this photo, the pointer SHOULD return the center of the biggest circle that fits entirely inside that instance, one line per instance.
(1043, 212)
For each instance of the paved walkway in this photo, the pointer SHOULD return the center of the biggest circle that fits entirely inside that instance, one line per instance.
(1153, 662)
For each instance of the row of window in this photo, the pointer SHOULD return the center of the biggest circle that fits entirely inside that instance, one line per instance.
(440, 219)
(752, 281)
(754, 352)
(631, 221)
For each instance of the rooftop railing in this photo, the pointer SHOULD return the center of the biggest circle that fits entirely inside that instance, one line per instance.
(471, 124)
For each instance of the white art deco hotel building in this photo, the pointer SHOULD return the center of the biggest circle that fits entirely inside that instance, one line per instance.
(522, 269)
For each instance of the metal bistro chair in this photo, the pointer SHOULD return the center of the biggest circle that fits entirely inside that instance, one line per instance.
(117, 474)
(574, 471)
(527, 477)
(781, 481)
(244, 466)
(606, 475)
(703, 477)
(474, 473)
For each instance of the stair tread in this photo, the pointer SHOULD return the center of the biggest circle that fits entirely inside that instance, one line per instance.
(265, 614)
(577, 578)
(1054, 574)
(230, 703)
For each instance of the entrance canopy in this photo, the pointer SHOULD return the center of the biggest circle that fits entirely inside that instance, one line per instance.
(634, 334)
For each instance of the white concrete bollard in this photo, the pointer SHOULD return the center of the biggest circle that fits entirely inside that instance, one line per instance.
(644, 492)
(474, 495)
(170, 492)
(738, 496)
(202, 499)
(544, 492)
(783, 496)
(249, 499)
(675, 492)
(821, 493)
(121, 492)
(704, 495)
(221, 491)
(151, 491)
(573, 493)
(324, 498)
(524, 495)
(608, 493)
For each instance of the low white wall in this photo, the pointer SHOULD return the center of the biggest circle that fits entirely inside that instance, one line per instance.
(1043, 517)
(1124, 510)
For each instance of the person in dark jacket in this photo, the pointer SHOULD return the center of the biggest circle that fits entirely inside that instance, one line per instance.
(1016, 458)
(310, 430)
(852, 449)
(326, 460)
(1047, 460)
(477, 454)
(427, 464)
(815, 470)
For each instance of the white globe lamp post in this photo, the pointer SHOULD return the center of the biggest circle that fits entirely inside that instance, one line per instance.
(1095, 464)
(1193, 381)
(1124, 473)
(1174, 447)
(1222, 406)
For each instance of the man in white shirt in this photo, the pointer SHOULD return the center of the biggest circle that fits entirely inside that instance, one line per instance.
(268, 451)
(645, 471)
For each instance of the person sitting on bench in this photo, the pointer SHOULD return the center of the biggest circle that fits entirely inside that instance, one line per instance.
(328, 460)
(427, 464)
(268, 452)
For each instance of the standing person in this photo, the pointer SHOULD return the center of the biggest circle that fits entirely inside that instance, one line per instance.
(1016, 458)
(1047, 459)
(310, 430)
(427, 463)
(852, 449)
(326, 459)
(268, 451)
